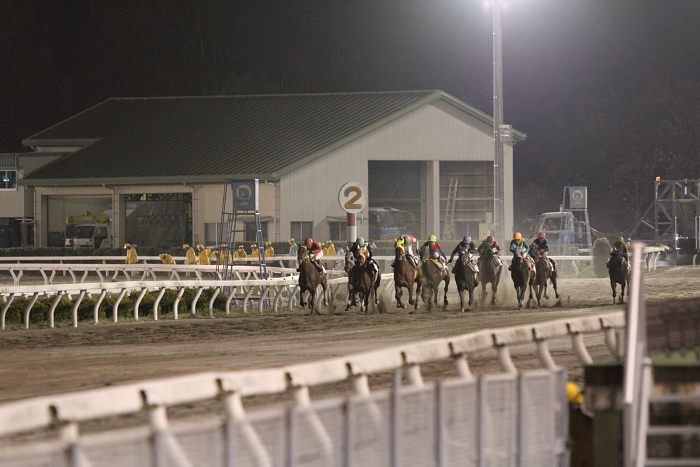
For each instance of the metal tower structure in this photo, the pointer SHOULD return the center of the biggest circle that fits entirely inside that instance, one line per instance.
(242, 201)
(673, 218)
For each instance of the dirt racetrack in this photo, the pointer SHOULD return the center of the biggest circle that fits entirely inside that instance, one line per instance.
(49, 361)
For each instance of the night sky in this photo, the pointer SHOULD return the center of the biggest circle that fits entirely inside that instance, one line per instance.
(596, 85)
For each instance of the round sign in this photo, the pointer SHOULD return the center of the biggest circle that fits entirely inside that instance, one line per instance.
(352, 197)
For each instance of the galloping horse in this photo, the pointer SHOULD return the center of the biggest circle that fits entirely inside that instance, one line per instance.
(523, 277)
(362, 281)
(309, 279)
(619, 271)
(465, 277)
(433, 274)
(489, 271)
(542, 274)
(405, 275)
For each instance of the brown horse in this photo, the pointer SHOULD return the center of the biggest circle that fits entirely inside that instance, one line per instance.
(619, 272)
(543, 273)
(523, 277)
(489, 272)
(309, 280)
(465, 277)
(405, 275)
(433, 275)
(361, 282)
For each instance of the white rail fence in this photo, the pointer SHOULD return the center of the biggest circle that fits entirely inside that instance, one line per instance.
(509, 418)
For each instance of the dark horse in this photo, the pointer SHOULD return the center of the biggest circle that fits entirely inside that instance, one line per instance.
(619, 271)
(465, 277)
(523, 277)
(489, 271)
(433, 274)
(405, 275)
(361, 283)
(309, 279)
(542, 274)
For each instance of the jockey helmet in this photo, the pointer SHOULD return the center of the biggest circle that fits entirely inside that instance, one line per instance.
(432, 238)
(517, 236)
(541, 235)
(573, 393)
(489, 238)
(308, 241)
(360, 241)
(620, 239)
(406, 240)
(467, 239)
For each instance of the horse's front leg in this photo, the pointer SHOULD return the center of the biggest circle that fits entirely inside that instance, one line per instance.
(397, 295)
(613, 286)
(447, 286)
(622, 293)
(460, 291)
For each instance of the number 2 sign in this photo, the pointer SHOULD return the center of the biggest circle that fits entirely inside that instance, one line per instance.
(352, 197)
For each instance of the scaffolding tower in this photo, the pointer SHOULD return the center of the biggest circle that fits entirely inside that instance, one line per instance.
(241, 203)
(673, 218)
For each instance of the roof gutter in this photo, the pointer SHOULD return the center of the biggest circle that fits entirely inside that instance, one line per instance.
(170, 180)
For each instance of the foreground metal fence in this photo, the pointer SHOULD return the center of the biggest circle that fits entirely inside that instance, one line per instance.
(508, 418)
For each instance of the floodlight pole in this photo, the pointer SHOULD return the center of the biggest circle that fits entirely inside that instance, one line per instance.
(498, 164)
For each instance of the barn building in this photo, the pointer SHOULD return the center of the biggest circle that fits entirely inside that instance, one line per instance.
(157, 166)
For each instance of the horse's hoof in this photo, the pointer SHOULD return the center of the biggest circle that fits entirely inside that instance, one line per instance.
(546, 297)
(411, 302)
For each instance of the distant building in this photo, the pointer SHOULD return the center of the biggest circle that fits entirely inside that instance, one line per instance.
(156, 166)
(17, 201)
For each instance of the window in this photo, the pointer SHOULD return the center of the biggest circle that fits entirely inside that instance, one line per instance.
(8, 179)
(301, 230)
(250, 231)
(338, 231)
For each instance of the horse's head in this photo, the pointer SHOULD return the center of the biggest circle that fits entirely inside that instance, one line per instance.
(465, 255)
(302, 253)
(425, 254)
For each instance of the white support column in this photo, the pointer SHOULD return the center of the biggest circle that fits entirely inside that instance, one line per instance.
(432, 198)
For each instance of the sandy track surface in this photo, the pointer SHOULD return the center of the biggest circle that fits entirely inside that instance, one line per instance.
(49, 361)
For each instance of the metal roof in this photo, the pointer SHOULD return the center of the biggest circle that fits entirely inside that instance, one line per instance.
(200, 139)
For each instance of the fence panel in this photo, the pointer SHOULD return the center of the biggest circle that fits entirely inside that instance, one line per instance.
(499, 419)
(458, 423)
(368, 430)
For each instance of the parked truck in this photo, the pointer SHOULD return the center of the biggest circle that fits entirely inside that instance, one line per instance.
(568, 230)
(88, 231)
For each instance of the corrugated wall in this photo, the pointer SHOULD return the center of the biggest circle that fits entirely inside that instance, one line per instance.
(437, 132)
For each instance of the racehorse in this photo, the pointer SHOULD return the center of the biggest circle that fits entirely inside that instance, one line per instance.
(405, 275)
(361, 282)
(523, 277)
(542, 274)
(433, 275)
(619, 271)
(465, 277)
(309, 279)
(489, 272)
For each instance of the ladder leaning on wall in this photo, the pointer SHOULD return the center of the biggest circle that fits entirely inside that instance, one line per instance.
(448, 226)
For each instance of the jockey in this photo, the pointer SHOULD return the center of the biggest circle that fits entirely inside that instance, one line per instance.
(315, 253)
(620, 246)
(435, 252)
(520, 249)
(542, 246)
(360, 248)
(491, 243)
(465, 244)
(408, 241)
